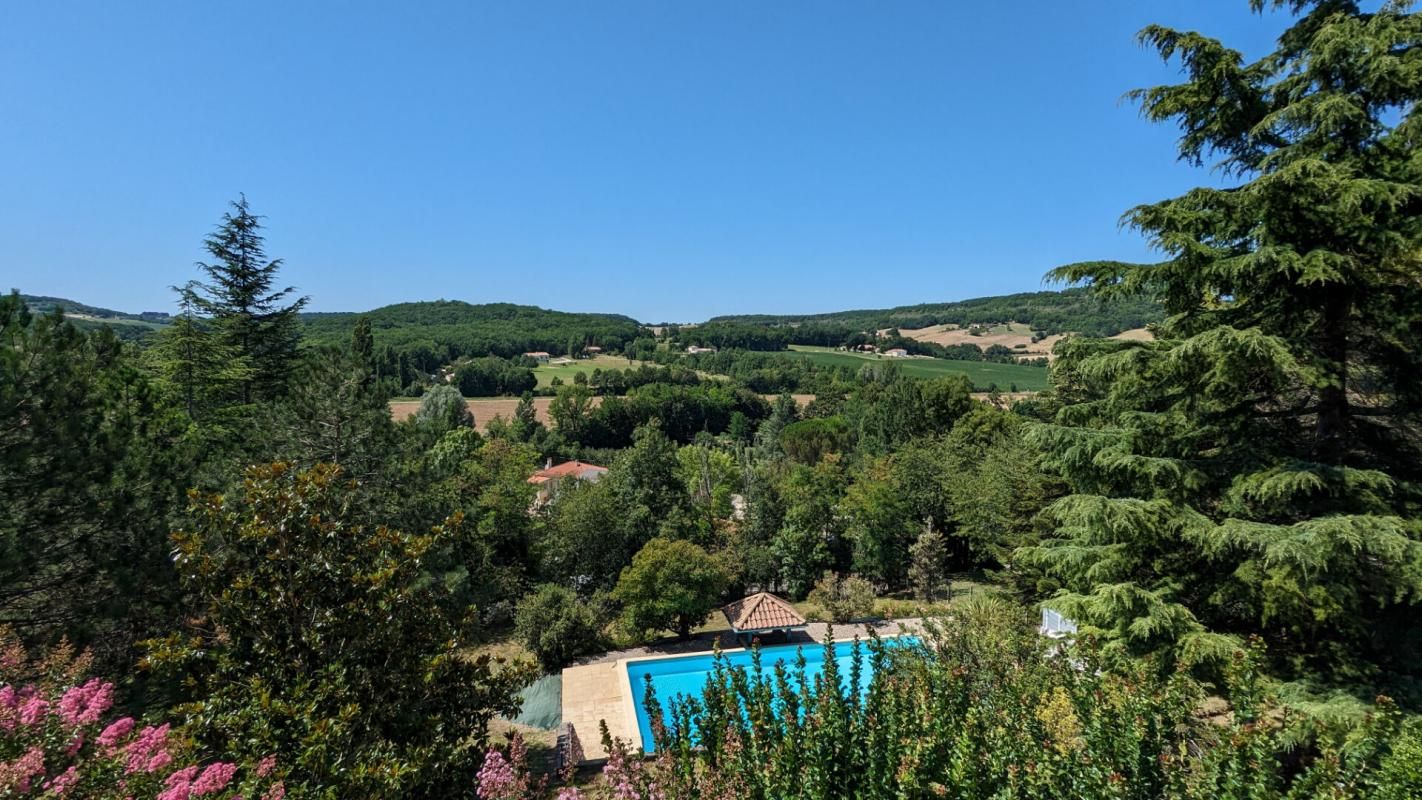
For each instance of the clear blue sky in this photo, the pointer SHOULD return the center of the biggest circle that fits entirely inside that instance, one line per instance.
(666, 160)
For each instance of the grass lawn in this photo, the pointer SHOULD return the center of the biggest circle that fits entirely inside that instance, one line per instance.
(981, 373)
(547, 372)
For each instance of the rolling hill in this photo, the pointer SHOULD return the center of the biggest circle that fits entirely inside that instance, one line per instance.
(1067, 311)
(126, 325)
(437, 332)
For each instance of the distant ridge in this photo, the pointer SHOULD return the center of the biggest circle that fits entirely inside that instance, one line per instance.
(468, 327)
(126, 325)
(1070, 310)
(439, 331)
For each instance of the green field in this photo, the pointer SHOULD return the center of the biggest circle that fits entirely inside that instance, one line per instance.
(981, 373)
(547, 372)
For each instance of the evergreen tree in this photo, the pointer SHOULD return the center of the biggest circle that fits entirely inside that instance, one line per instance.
(929, 559)
(197, 364)
(250, 316)
(334, 414)
(782, 413)
(92, 472)
(1256, 468)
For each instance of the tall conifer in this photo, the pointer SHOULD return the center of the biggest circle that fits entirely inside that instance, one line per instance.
(250, 316)
(1256, 468)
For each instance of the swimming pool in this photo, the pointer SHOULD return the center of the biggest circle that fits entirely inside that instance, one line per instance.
(686, 675)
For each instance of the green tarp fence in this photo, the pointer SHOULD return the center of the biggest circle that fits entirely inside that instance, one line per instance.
(542, 703)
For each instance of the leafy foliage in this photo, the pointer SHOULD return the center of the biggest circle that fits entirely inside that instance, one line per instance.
(981, 709)
(58, 736)
(435, 333)
(557, 626)
(845, 598)
(670, 585)
(318, 637)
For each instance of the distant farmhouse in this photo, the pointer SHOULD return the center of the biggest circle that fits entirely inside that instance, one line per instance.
(896, 352)
(550, 477)
(539, 356)
(694, 349)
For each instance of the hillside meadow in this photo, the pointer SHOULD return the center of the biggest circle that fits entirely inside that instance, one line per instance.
(981, 373)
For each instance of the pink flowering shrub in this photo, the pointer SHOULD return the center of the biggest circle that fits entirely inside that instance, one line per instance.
(505, 775)
(57, 739)
(626, 776)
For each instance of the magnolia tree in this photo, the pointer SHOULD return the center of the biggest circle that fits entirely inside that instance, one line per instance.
(59, 738)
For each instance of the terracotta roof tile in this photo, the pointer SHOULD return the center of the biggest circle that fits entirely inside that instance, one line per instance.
(762, 611)
(566, 469)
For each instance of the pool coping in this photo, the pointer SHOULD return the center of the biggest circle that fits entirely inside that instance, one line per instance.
(630, 712)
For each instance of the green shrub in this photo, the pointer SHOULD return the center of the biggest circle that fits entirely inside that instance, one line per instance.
(557, 626)
(982, 707)
(844, 598)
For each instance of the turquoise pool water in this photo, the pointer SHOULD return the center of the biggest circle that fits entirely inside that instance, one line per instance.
(686, 675)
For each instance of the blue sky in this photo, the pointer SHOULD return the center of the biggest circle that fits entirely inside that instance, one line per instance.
(665, 160)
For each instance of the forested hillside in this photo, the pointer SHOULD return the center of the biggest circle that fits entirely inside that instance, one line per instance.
(1072, 310)
(437, 332)
(128, 326)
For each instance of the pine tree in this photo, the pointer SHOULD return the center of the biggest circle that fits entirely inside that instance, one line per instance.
(92, 473)
(929, 559)
(248, 314)
(197, 364)
(1256, 468)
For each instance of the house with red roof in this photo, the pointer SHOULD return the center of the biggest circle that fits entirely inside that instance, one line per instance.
(550, 477)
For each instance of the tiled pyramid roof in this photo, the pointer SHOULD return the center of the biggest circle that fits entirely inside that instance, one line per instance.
(762, 611)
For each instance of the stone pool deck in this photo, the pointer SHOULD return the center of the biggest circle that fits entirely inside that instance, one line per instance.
(595, 689)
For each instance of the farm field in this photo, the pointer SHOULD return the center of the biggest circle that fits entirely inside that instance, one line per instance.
(1012, 335)
(547, 372)
(486, 408)
(982, 374)
(483, 409)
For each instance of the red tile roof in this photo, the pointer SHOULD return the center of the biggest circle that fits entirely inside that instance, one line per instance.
(566, 469)
(762, 611)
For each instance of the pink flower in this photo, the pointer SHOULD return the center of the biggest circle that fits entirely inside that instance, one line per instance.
(215, 778)
(265, 766)
(496, 777)
(146, 752)
(116, 731)
(178, 786)
(18, 774)
(64, 781)
(570, 793)
(275, 792)
(84, 705)
(75, 745)
(33, 710)
(158, 762)
(9, 701)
